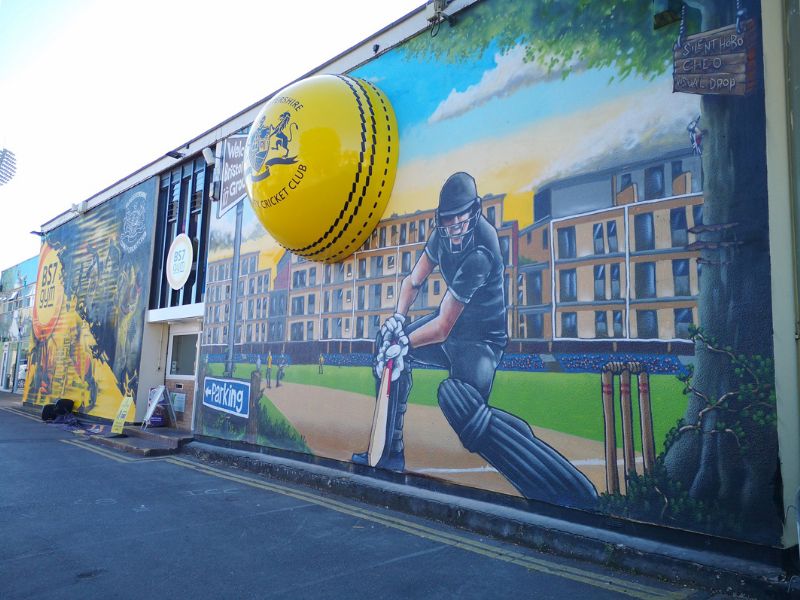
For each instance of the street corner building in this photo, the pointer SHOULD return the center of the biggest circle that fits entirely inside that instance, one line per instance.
(577, 296)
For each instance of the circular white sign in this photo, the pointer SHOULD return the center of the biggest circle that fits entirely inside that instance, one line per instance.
(179, 261)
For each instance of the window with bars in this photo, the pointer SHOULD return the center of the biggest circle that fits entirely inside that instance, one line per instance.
(183, 207)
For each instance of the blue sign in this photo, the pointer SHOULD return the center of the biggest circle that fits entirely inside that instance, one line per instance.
(227, 395)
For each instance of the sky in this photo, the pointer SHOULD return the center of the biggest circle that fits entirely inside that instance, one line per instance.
(90, 91)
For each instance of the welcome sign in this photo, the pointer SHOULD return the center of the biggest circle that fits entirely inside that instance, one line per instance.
(227, 395)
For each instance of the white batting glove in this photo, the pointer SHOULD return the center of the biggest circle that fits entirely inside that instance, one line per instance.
(392, 326)
(396, 352)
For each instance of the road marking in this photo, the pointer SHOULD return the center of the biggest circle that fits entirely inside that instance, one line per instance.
(599, 580)
(629, 588)
(21, 413)
(86, 445)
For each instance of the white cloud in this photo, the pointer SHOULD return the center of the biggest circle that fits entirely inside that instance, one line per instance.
(651, 119)
(509, 75)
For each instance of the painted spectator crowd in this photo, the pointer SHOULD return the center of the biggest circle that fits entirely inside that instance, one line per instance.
(656, 364)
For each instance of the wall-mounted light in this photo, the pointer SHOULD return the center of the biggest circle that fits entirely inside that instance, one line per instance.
(175, 154)
(208, 155)
(39, 233)
(81, 207)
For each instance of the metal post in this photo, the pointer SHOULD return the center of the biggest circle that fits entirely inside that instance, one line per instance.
(237, 242)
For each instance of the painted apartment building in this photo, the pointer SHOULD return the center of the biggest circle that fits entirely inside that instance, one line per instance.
(614, 253)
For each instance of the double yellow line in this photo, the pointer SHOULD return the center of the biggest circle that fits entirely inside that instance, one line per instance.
(598, 580)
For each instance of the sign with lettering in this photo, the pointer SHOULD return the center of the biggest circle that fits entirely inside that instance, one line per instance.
(721, 61)
(122, 415)
(179, 261)
(227, 395)
(233, 189)
(49, 293)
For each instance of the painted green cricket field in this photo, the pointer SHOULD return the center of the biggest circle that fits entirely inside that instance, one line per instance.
(567, 402)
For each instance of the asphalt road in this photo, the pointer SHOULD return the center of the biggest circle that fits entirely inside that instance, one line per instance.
(81, 521)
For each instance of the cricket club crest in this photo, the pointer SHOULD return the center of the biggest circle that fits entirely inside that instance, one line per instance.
(268, 138)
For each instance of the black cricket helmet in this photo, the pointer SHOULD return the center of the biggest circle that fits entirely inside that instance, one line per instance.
(459, 196)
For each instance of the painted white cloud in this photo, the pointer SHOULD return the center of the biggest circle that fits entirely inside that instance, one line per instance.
(509, 75)
(652, 119)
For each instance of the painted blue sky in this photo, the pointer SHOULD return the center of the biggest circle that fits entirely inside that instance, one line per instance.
(417, 88)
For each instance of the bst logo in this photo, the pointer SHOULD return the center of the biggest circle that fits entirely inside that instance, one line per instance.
(49, 293)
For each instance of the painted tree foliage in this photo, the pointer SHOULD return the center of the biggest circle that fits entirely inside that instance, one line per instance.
(734, 299)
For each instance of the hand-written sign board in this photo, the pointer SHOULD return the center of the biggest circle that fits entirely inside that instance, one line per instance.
(720, 61)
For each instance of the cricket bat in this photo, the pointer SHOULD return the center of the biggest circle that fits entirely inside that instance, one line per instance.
(377, 440)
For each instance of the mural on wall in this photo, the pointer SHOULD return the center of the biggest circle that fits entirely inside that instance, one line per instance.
(17, 285)
(88, 312)
(573, 268)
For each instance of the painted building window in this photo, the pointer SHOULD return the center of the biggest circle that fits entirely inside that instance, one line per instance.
(599, 282)
(361, 298)
(646, 280)
(296, 332)
(325, 329)
(677, 224)
(436, 288)
(647, 324)
(183, 355)
(683, 319)
(421, 237)
(697, 214)
(535, 325)
(403, 233)
(566, 242)
(360, 327)
(505, 250)
(545, 239)
(490, 215)
(382, 237)
(618, 330)
(615, 282)
(390, 291)
(654, 182)
(599, 242)
(568, 291)
(600, 324)
(298, 305)
(309, 330)
(534, 287)
(569, 324)
(611, 232)
(390, 262)
(362, 268)
(405, 265)
(644, 232)
(312, 276)
(625, 181)
(680, 277)
(375, 295)
(312, 309)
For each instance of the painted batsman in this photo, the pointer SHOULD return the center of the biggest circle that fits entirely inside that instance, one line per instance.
(466, 335)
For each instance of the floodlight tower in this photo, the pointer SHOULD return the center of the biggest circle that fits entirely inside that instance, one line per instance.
(8, 165)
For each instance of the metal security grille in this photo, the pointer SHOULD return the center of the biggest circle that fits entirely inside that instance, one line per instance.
(183, 207)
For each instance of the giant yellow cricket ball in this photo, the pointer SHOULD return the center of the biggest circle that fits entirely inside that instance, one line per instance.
(320, 165)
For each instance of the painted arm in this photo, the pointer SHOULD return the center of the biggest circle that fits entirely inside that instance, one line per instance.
(436, 330)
